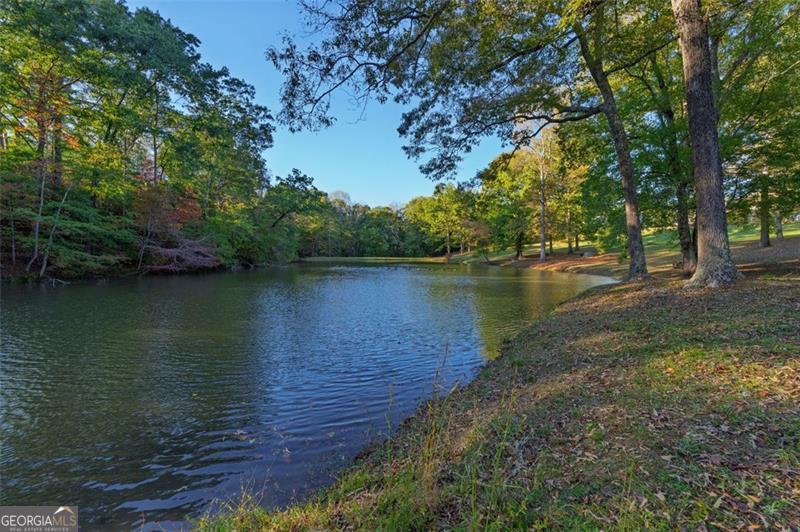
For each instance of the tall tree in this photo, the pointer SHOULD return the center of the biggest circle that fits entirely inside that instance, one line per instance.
(592, 41)
(443, 214)
(474, 69)
(714, 263)
(544, 152)
(667, 138)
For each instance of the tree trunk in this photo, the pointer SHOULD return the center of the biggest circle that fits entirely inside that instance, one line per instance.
(14, 238)
(3, 141)
(542, 215)
(763, 214)
(154, 131)
(551, 244)
(716, 81)
(145, 241)
(569, 226)
(518, 244)
(577, 242)
(714, 263)
(41, 175)
(779, 226)
(43, 269)
(447, 245)
(58, 169)
(638, 265)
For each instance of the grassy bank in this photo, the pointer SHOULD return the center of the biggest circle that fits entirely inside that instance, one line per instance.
(781, 259)
(632, 406)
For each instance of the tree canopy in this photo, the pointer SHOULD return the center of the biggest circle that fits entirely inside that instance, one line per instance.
(609, 75)
(122, 150)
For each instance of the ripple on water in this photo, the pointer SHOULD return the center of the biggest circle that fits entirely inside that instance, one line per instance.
(146, 399)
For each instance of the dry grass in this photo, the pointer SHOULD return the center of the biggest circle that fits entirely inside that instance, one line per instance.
(642, 406)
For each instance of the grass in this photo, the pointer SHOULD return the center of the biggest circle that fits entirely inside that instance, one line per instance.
(667, 240)
(782, 259)
(633, 406)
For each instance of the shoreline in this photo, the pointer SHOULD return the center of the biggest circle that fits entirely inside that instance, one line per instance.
(781, 259)
(583, 404)
(126, 274)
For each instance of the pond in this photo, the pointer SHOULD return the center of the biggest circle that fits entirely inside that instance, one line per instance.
(143, 400)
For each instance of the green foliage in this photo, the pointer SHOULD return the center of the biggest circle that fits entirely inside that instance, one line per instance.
(470, 70)
(117, 139)
(120, 149)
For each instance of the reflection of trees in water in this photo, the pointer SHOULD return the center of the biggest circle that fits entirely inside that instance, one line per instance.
(491, 304)
(506, 300)
(147, 389)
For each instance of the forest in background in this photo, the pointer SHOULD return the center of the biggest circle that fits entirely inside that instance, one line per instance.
(122, 151)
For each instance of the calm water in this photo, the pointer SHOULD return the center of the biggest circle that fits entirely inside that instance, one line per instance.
(143, 400)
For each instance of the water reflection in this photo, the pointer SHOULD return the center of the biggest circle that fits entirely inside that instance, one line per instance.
(142, 400)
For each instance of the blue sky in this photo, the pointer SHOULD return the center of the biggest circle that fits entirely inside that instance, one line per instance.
(362, 157)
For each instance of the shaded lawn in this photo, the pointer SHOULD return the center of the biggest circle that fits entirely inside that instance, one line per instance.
(781, 259)
(633, 406)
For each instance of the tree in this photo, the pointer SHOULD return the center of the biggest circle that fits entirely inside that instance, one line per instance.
(443, 215)
(506, 198)
(120, 148)
(714, 263)
(543, 150)
(592, 50)
(663, 141)
(474, 69)
(756, 50)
